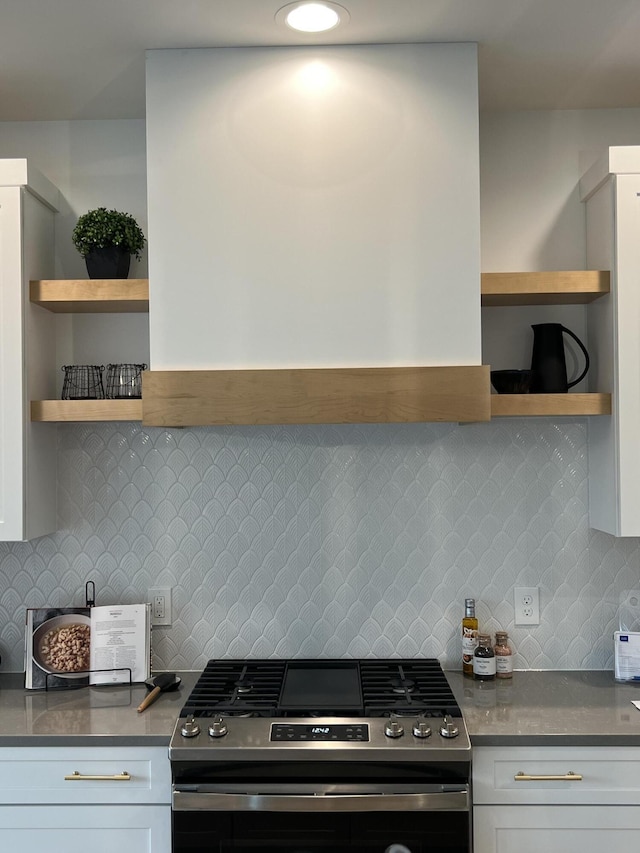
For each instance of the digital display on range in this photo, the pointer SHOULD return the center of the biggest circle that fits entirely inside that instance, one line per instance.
(302, 731)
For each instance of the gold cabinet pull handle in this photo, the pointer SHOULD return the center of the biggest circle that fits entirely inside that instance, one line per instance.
(566, 777)
(76, 776)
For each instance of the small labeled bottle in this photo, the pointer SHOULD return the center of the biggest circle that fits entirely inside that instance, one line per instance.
(504, 655)
(484, 660)
(469, 635)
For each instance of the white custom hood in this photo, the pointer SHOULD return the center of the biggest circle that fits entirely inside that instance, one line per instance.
(313, 208)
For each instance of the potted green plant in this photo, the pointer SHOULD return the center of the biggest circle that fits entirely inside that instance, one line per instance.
(107, 239)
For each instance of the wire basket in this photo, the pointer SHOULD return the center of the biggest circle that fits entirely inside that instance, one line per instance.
(124, 381)
(83, 382)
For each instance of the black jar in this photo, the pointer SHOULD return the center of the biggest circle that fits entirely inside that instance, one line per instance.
(484, 659)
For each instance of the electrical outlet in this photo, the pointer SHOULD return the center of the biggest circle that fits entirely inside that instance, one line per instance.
(527, 605)
(160, 605)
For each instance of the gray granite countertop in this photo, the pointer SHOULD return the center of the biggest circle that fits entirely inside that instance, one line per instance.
(533, 708)
(573, 708)
(88, 716)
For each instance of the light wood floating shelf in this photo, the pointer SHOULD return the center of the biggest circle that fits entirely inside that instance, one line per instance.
(86, 410)
(176, 398)
(567, 287)
(502, 405)
(91, 296)
(331, 395)
(545, 405)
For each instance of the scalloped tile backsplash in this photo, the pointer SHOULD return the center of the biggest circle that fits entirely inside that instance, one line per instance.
(330, 540)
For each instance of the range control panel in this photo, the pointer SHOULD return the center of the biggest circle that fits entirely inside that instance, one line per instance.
(321, 732)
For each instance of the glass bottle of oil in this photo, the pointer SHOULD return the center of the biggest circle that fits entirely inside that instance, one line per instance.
(469, 635)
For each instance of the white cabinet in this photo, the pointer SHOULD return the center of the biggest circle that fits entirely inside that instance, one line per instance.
(555, 829)
(555, 799)
(77, 829)
(70, 800)
(27, 354)
(611, 193)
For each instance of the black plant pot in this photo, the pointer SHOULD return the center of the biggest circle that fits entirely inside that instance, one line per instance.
(109, 262)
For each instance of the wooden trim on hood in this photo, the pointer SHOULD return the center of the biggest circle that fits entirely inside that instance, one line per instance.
(181, 398)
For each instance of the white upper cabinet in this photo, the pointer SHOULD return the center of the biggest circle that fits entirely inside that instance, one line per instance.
(611, 192)
(27, 353)
(313, 207)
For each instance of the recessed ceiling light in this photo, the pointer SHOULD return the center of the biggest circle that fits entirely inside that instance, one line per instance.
(312, 17)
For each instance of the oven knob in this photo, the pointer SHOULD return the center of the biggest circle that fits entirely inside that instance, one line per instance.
(190, 728)
(421, 728)
(393, 728)
(218, 728)
(448, 727)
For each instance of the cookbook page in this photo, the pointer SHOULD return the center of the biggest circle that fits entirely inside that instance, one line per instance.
(120, 641)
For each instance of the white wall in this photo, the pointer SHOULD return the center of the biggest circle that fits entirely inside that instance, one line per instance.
(93, 164)
(530, 165)
(531, 214)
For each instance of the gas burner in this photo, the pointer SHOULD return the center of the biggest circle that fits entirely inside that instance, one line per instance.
(402, 685)
(240, 686)
(404, 713)
(237, 714)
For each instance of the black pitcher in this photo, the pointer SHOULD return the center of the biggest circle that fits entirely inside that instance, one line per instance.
(548, 365)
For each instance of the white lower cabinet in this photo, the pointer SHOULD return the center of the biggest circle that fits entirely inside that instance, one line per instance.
(555, 829)
(74, 800)
(80, 829)
(556, 799)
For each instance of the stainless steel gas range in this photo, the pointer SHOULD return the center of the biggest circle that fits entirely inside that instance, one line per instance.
(321, 755)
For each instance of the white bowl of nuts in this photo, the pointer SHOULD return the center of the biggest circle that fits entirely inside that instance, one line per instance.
(61, 645)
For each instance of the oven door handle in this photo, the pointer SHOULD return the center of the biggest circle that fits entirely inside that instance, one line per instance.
(456, 800)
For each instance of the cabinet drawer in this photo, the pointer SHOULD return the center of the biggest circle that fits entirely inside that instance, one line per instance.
(513, 775)
(555, 829)
(121, 775)
(82, 829)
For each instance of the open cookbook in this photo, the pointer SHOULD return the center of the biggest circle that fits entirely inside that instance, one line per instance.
(76, 646)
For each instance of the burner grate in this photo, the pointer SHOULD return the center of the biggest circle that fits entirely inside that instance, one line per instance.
(406, 687)
(237, 687)
(383, 687)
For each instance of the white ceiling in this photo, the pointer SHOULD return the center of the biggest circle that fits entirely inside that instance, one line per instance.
(84, 59)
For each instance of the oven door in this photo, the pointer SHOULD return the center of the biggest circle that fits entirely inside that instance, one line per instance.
(369, 818)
